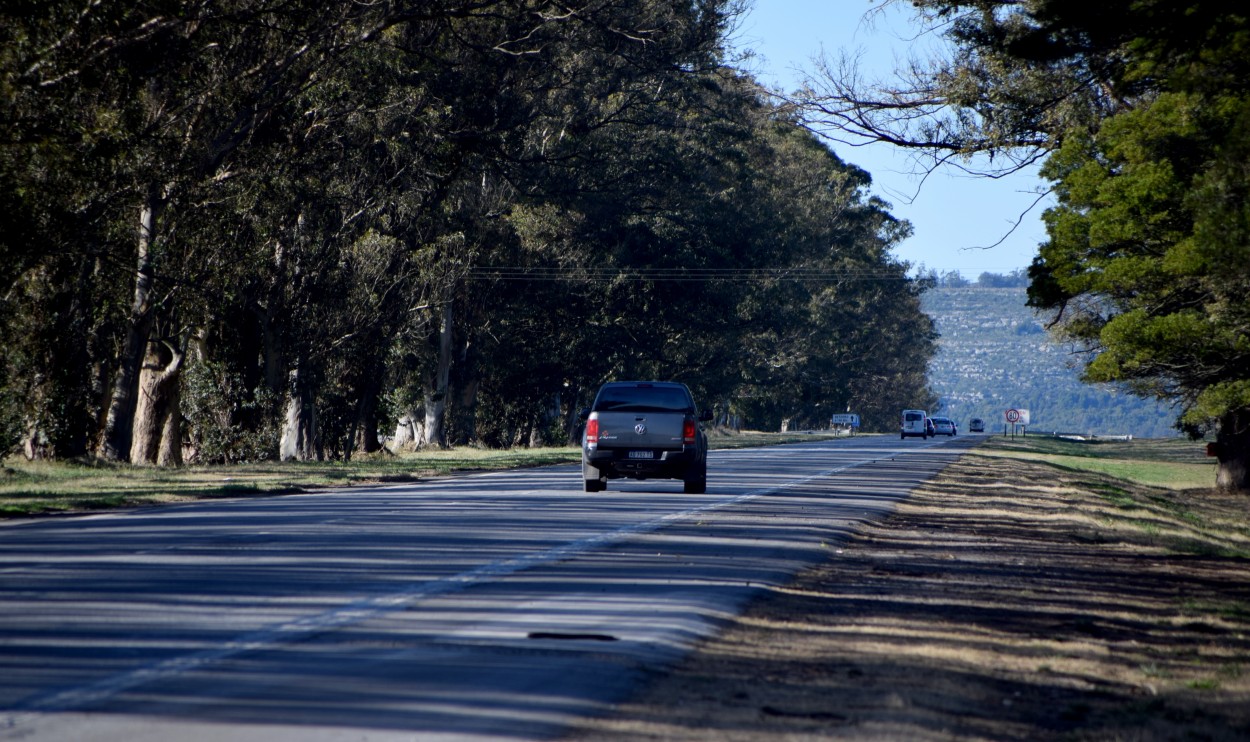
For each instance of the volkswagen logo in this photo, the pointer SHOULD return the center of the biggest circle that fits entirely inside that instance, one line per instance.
(640, 429)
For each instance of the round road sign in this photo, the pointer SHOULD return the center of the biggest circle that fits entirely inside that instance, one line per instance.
(1013, 416)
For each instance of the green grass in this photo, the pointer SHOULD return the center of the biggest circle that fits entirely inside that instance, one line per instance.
(40, 487)
(29, 488)
(1162, 449)
(1163, 490)
(1170, 463)
(749, 438)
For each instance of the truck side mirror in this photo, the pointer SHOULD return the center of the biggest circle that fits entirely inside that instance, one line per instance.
(584, 414)
(705, 416)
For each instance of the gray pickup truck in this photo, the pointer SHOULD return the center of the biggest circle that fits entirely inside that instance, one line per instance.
(644, 430)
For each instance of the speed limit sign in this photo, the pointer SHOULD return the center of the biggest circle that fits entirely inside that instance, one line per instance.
(1013, 416)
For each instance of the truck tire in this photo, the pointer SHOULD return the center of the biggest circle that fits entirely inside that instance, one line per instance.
(695, 482)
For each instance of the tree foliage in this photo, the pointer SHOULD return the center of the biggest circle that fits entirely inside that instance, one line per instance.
(248, 230)
(1140, 108)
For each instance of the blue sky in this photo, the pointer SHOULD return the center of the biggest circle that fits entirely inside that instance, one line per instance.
(953, 215)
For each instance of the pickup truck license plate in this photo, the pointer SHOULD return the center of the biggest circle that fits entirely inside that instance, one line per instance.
(642, 454)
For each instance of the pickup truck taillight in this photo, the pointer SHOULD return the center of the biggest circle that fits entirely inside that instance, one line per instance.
(592, 432)
(688, 431)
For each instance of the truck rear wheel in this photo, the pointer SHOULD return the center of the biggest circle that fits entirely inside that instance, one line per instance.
(695, 482)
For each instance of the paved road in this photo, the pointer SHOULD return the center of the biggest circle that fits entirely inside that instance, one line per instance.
(494, 606)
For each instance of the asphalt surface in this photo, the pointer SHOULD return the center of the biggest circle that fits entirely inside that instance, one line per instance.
(493, 606)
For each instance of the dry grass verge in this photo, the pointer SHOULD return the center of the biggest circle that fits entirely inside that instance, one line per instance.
(1008, 599)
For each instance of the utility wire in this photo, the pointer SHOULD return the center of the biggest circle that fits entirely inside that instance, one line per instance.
(539, 273)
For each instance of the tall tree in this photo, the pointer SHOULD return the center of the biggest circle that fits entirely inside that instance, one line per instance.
(540, 102)
(287, 223)
(1140, 107)
(157, 99)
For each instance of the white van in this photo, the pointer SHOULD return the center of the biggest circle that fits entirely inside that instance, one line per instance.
(914, 423)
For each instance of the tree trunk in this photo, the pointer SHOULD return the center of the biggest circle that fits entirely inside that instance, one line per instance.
(170, 453)
(35, 444)
(437, 390)
(464, 416)
(408, 429)
(365, 427)
(728, 420)
(572, 415)
(273, 350)
(119, 424)
(538, 431)
(432, 431)
(299, 432)
(157, 427)
(1232, 450)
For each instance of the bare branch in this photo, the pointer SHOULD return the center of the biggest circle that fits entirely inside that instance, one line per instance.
(1019, 220)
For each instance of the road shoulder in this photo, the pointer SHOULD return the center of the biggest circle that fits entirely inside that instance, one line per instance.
(1004, 600)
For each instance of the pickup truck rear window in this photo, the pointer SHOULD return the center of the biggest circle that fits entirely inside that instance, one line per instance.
(643, 399)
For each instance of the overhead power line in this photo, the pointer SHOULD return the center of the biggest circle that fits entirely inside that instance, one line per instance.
(605, 275)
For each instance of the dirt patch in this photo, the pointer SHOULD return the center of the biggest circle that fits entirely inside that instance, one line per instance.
(1005, 600)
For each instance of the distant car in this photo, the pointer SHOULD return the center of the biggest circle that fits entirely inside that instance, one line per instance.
(644, 430)
(976, 425)
(914, 423)
(929, 427)
(944, 426)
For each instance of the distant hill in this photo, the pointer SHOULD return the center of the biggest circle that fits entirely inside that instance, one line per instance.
(995, 354)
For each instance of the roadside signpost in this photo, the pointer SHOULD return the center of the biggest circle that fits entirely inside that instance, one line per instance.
(1016, 418)
(845, 424)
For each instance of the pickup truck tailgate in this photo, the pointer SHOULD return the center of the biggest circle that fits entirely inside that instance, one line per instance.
(655, 430)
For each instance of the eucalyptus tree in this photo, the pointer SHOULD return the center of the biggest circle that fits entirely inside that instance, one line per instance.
(837, 304)
(58, 228)
(721, 245)
(154, 100)
(223, 151)
(270, 218)
(504, 93)
(222, 76)
(538, 102)
(644, 245)
(733, 251)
